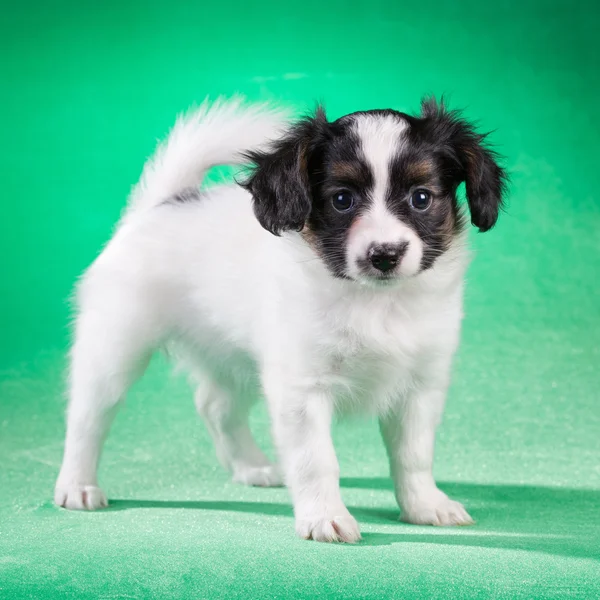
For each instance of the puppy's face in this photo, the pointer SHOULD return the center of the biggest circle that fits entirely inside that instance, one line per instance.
(374, 193)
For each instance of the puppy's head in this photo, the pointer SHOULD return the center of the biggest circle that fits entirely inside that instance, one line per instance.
(374, 193)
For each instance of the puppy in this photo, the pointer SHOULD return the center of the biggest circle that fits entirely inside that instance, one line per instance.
(330, 280)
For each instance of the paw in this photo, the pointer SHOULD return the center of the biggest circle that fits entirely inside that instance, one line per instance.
(265, 476)
(435, 508)
(334, 526)
(80, 497)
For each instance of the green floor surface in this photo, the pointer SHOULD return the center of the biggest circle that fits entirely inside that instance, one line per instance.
(89, 87)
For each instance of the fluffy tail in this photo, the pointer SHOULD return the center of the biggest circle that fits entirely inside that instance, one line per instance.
(216, 133)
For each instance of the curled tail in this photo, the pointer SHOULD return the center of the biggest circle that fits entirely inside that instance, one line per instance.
(216, 133)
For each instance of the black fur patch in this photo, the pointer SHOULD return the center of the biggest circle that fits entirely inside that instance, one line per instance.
(280, 183)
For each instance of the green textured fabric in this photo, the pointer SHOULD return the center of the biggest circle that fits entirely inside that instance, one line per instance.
(88, 87)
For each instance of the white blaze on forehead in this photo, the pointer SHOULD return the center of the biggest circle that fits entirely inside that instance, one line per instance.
(381, 139)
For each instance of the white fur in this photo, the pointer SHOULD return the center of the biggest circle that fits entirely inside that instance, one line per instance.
(243, 309)
(381, 139)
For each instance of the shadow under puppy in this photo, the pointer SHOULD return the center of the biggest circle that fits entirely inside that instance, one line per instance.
(354, 304)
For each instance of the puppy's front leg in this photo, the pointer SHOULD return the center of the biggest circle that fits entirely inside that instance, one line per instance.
(301, 418)
(409, 436)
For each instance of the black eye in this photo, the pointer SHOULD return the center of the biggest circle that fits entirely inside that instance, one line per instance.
(342, 201)
(420, 200)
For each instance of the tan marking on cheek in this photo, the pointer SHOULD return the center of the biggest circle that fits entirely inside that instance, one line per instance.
(309, 236)
(447, 228)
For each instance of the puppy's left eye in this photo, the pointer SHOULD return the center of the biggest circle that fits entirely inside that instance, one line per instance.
(420, 200)
(342, 201)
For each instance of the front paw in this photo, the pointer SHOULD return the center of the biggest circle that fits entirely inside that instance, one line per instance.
(76, 496)
(434, 508)
(332, 525)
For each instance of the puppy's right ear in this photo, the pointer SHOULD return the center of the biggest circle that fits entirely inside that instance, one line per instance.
(279, 182)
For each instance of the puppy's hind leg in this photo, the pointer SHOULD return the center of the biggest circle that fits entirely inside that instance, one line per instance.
(225, 414)
(111, 350)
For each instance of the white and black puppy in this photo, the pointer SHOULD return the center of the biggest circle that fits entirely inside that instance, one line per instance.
(355, 303)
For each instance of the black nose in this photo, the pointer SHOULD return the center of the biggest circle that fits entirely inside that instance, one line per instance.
(385, 257)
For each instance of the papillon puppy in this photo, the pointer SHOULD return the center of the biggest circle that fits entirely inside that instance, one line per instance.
(328, 280)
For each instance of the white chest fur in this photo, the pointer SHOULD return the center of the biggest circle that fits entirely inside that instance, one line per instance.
(376, 343)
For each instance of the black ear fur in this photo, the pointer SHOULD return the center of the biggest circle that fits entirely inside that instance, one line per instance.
(486, 182)
(279, 182)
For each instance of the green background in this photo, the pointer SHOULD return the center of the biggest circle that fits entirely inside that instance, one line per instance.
(88, 88)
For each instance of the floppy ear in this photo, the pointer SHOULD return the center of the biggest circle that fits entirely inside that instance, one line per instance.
(485, 180)
(279, 182)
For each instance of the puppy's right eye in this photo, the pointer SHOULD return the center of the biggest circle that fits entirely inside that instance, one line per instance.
(342, 201)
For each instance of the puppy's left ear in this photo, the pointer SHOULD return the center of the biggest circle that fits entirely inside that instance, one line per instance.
(486, 182)
(280, 183)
